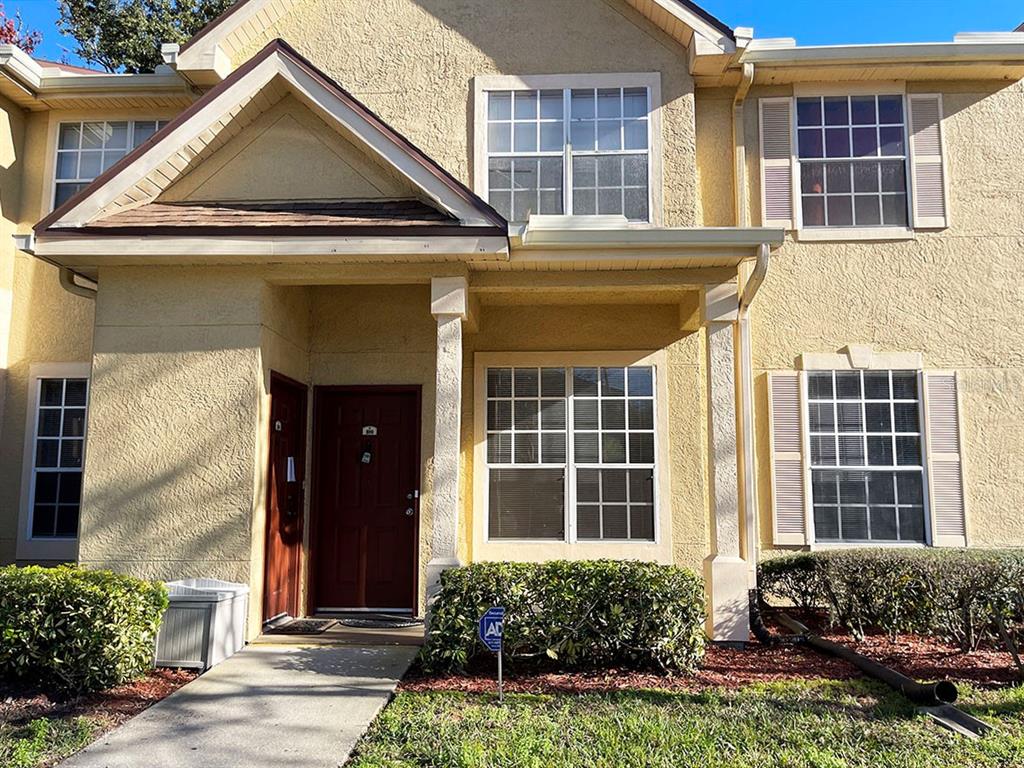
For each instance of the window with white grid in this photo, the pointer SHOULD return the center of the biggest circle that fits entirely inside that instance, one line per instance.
(58, 450)
(852, 152)
(578, 150)
(571, 453)
(867, 465)
(85, 149)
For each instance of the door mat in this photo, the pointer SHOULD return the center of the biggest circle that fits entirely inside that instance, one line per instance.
(303, 627)
(378, 621)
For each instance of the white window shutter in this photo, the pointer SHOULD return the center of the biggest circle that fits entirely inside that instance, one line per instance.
(777, 199)
(789, 491)
(947, 504)
(928, 183)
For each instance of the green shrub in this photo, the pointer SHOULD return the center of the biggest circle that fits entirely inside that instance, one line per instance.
(957, 594)
(77, 630)
(572, 614)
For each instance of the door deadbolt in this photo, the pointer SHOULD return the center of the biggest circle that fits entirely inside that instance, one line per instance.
(409, 512)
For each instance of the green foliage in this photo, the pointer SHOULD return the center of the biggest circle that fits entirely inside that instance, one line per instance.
(126, 35)
(956, 594)
(576, 614)
(44, 741)
(794, 724)
(77, 630)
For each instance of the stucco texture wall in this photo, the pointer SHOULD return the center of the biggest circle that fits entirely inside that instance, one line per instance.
(45, 324)
(951, 295)
(413, 61)
(172, 454)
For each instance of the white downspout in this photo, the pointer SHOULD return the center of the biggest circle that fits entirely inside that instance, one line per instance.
(750, 288)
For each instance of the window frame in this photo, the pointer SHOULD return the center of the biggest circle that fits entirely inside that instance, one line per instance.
(823, 364)
(854, 231)
(649, 80)
(570, 546)
(46, 548)
(58, 118)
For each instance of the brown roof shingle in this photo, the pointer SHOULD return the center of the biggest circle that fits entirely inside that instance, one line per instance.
(293, 216)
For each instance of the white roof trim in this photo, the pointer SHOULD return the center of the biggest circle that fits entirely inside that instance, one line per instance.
(701, 27)
(308, 88)
(965, 47)
(212, 52)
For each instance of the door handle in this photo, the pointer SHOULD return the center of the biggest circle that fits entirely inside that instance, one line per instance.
(409, 512)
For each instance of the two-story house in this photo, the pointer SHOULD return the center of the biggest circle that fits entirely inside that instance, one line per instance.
(346, 294)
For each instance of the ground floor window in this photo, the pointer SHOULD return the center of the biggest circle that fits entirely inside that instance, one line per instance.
(571, 453)
(57, 456)
(867, 462)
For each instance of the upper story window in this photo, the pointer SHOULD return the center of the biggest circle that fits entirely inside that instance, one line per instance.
(852, 153)
(866, 456)
(87, 148)
(571, 453)
(584, 151)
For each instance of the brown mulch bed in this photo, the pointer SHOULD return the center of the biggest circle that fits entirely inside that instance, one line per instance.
(113, 706)
(918, 657)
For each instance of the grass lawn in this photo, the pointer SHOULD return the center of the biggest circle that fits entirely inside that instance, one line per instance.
(797, 724)
(45, 740)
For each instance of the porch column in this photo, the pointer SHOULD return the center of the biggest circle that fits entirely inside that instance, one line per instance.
(725, 571)
(449, 304)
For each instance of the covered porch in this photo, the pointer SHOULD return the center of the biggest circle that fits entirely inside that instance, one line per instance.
(319, 428)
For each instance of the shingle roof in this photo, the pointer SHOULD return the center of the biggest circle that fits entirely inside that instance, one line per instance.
(310, 216)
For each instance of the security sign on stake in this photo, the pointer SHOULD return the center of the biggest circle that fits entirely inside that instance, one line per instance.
(492, 627)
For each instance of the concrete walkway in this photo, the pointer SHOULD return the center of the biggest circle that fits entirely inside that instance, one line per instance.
(265, 706)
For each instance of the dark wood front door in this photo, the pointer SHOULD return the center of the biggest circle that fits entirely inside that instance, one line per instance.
(366, 498)
(285, 477)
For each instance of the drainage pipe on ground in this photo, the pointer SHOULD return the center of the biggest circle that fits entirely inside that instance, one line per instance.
(922, 694)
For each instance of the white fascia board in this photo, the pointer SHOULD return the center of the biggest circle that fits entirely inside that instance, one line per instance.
(677, 239)
(700, 27)
(899, 53)
(111, 84)
(21, 67)
(203, 54)
(87, 251)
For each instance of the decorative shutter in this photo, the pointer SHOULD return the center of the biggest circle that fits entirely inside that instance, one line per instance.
(777, 162)
(948, 509)
(928, 172)
(789, 493)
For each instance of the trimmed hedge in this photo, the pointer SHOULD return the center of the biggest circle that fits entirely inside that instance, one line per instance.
(76, 630)
(957, 594)
(571, 614)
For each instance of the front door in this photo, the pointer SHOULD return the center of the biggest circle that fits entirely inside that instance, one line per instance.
(285, 476)
(364, 542)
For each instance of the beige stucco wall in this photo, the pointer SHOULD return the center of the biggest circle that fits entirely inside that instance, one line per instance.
(172, 455)
(951, 295)
(413, 62)
(46, 324)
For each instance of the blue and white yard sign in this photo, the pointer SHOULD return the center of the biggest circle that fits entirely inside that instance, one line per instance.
(491, 625)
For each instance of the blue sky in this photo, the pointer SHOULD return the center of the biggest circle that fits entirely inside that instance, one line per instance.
(811, 22)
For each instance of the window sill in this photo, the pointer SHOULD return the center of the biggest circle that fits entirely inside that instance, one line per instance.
(852, 234)
(827, 545)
